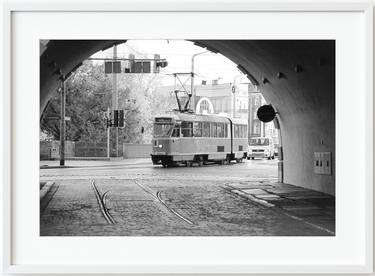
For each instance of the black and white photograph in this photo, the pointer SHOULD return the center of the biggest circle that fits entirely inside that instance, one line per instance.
(158, 137)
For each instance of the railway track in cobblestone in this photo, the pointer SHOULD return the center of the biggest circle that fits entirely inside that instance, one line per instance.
(101, 198)
(158, 197)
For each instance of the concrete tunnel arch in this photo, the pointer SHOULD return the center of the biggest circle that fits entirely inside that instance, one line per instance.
(296, 76)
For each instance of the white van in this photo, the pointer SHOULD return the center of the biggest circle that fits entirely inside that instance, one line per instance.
(261, 147)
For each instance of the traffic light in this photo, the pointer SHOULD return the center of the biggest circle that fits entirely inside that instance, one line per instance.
(157, 59)
(162, 63)
(121, 118)
(159, 63)
(115, 118)
(131, 63)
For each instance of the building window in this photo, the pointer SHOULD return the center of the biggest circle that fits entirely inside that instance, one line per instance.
(204, 107)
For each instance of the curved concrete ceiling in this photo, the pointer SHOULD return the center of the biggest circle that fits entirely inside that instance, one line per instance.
(297, 77)
(60, 57)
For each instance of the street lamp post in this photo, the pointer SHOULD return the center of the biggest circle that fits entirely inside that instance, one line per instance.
(192, 104)
(234, 91)
(115, 97)
(62, 123)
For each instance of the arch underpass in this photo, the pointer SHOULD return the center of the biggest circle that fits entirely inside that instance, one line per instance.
(296, 77)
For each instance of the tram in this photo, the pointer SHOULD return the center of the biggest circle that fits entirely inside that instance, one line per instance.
(188, 138)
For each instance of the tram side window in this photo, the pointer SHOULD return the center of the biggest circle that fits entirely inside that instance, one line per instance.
(244, 131)
(176, 131)
(240, 131)
(226, 130)
(187, 129)
(213, 130)
(206, 129)
(197, 129)
(236, 131)
(220, 130)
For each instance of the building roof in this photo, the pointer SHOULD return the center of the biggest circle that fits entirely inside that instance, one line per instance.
(217, 90)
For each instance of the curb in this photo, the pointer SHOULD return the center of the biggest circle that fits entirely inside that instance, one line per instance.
(46, 188)
(277, 208)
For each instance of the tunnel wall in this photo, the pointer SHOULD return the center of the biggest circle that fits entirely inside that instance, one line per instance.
(303, 94)
(60, 57)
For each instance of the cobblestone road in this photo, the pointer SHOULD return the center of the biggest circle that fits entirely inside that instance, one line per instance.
(152, 201)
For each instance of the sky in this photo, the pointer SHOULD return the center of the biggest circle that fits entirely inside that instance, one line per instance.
(208, 66)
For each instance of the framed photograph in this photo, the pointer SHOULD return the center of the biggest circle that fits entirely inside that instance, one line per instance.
(150, 137)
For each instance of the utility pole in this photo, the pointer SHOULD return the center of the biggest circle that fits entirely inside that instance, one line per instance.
(62, 123)
(234, 97)
(115, 96)
(234, 90)
(108, 133)
(250, 116)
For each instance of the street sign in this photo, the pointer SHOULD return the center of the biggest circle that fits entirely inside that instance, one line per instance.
(116, 67)
(146, 67)
(142, 67)
(266, 113)
(108, 67)
(132, 65)
(67, 118)
(112, 67)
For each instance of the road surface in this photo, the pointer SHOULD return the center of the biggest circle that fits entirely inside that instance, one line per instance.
(135, 198)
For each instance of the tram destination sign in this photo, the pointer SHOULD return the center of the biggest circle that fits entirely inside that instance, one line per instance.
(163, 120)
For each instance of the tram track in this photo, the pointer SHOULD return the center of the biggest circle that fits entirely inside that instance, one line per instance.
(157, 197)
(102, 198)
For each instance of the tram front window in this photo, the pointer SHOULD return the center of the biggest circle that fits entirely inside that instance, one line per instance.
(163, 130)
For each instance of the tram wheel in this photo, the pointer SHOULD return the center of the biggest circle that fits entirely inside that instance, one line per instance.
(199, 160)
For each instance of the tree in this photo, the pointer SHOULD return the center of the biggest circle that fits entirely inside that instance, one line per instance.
(89, 94)
(87, 97)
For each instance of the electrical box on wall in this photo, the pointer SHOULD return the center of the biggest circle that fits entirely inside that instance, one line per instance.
(323, 163)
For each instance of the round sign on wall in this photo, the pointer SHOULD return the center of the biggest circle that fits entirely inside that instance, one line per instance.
(266, 113)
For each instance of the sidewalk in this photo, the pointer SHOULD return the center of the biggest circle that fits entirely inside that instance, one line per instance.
(312, 207)
(49, 164)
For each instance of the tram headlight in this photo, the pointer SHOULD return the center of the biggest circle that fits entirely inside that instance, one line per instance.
(160, 146)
